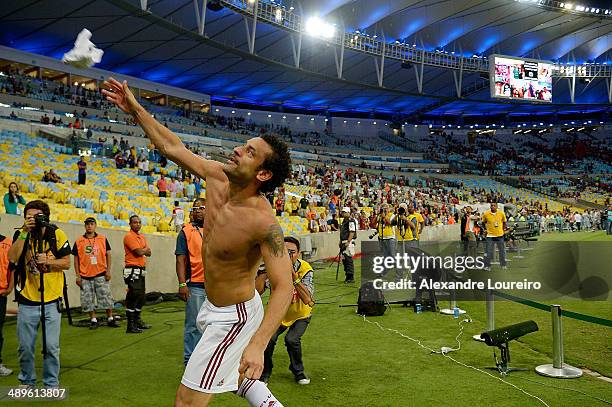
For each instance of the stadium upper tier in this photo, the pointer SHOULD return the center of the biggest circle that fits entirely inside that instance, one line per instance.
(188, 121)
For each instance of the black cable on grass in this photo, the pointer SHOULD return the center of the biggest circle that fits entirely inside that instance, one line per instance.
(563, 388)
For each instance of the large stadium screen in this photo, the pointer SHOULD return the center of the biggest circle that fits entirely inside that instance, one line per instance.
(520, 79)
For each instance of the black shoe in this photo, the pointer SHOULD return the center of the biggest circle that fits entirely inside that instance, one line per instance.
(132, 328)
(264, 379)
(349, 281)
(139, 322)
(93, 324)
(142, 325)
(113, 324)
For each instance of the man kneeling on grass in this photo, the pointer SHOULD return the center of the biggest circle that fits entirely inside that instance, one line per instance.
(297, 318)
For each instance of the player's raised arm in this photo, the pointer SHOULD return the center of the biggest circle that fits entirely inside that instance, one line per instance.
(168, 143)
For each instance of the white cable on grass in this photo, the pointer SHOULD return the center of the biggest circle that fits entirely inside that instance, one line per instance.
(418, 342)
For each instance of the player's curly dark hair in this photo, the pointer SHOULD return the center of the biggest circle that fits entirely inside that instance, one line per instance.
(279, 163)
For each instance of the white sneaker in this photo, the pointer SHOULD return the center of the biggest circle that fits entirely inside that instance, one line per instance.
(304, 381)
(5, 371)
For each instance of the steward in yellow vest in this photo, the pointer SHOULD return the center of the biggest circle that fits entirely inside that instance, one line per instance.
(296, 319)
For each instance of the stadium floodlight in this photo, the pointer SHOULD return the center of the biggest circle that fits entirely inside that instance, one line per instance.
(269, 116)
(233, 112)
(284, 117)
(319, 28)
(298, 118)
(569, 6)
(249, 113)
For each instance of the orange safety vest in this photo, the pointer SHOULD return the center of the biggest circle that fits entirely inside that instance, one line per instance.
(194, 237)
(88, 250)
(5, 274)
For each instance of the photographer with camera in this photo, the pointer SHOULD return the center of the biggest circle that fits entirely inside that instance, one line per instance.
(136, 251)
(41, 252)
(348, 233)
(469, 223)
(385, 232)
(405, 228)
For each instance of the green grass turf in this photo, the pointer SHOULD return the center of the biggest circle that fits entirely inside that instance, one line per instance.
(351, 362)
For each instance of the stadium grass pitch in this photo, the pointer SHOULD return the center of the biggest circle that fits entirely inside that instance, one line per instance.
(350, 361)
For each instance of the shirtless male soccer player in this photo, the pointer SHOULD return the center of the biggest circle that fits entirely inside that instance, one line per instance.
(239, 229)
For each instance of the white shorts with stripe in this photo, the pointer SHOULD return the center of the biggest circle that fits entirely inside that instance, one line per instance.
(226, 331)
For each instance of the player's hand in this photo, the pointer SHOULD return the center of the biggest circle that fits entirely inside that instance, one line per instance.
(79, 282)
(121, 95)
(252, 362)
(107, 276)
(184, 293)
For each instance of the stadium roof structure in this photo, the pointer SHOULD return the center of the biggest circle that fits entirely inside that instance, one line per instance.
(391, 57)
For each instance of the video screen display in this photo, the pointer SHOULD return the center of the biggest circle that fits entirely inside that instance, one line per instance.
(519, 79)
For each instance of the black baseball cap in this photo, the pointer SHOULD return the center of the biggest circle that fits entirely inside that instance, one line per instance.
(90, 220)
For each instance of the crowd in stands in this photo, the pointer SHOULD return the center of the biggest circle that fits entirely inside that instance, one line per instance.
(529, 155)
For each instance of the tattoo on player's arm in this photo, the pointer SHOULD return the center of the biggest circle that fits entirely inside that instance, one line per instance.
(274, 239)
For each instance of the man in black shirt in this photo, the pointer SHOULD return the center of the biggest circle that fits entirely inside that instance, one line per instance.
(348, 232)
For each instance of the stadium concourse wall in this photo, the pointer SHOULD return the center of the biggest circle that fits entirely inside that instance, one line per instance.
(161, 275)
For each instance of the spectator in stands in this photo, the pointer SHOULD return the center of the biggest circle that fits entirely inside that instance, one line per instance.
(189, 190)
(6, 286)
(162, 186)
(198, 187)
(333, 224)
(82, 166)
(298, 315)
(496, 225)
(52, 260)
(279, 205)
(136, 251)
(178, 217)
(609, 218)
(178, 188)
(172, 188)
(303, 206)
(12, 199)
(13, 115)
(53, 177)
(294, 206)
(92, 264)
(190, 273)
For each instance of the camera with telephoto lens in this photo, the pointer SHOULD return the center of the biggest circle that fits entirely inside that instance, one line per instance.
(40, 221)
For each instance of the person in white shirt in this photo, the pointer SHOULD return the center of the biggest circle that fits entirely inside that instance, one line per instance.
(578, 221)
(178, 217)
